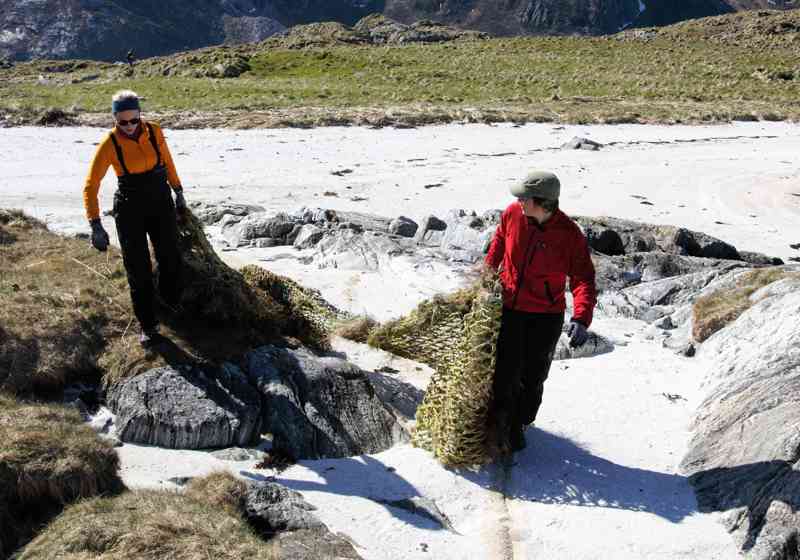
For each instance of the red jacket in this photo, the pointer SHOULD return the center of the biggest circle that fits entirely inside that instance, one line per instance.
(535, 262)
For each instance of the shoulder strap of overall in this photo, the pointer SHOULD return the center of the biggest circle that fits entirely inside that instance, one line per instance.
(119, 153)
(154, 143)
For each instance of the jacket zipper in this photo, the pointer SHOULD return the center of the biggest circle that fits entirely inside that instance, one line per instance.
(549, 293)
(525, 263)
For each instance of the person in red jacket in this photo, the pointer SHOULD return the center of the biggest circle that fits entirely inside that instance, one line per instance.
(535, 249)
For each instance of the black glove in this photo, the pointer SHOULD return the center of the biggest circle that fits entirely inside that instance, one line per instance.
(577, 333)
(99, 235)
(180, 202)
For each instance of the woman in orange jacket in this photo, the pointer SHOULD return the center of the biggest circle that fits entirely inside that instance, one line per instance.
(143, 207)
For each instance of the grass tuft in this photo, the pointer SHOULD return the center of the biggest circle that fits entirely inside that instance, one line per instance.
(49, 457)
(147, 525)
(219, 489)
(60, 300)
(715, 311)
(357, 329)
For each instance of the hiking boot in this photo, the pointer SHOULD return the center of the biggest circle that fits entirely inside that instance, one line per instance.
(149, 337)
(173, 309)
(517, 440)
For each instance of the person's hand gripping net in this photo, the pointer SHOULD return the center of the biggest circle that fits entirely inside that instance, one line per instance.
(180, 203)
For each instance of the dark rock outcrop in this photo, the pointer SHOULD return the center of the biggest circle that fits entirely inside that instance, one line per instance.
(381, 30)
(282, 515)
(639, 237)
(467, 237)
(313, 544)
(594, 346)
(626, 253)
(271, 508)
(320, 407)
(258, 226)
(760, 259)
(187, 408)
(212, 214)
(651, 300)
(404, 227)
(605, 241)
(633, 269)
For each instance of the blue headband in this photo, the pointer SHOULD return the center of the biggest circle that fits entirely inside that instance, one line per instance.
(127, 104)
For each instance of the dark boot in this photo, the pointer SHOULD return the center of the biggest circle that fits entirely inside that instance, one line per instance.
(517, 440)
(149, 337)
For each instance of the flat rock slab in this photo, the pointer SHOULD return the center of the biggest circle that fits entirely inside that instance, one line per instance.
(238, 454)
(314, 544)
(320, 406)
(187, 408)
(272, 508)
(210, 214)
(744, 458)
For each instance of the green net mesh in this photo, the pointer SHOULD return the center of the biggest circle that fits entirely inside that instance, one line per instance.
(457, 336)
(252, 296)
(308, 316)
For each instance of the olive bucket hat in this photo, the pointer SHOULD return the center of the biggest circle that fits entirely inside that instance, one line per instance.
(538, 184)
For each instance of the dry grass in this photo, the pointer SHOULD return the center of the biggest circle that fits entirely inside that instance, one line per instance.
(60, 300)
(65, 311)
(357, 329)
(713, 312)
(219, 489)
(457, 420)
(48, 458)
(147, 526)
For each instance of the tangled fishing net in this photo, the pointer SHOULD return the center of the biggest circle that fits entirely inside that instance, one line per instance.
(308, 316)
(456, 335)
(251, 298)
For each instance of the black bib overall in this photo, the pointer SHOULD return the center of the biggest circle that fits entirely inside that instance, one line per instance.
(143, 206)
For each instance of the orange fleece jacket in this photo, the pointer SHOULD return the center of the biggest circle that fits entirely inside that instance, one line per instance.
(139, 157)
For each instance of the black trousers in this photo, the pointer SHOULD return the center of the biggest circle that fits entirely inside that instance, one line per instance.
(525, 348)
(148, 210)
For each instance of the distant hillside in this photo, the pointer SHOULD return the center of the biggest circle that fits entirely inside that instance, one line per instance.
(105, 30)
(739, 66)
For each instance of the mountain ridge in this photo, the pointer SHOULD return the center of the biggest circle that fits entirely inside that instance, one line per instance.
(94, 29)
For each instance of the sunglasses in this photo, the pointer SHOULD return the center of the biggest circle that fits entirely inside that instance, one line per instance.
(122, 122)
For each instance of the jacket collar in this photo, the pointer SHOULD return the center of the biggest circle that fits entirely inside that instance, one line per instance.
(555, 221)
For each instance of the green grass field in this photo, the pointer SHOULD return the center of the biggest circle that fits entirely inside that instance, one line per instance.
(565, 79)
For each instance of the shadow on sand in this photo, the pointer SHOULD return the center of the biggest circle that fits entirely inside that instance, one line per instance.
(362, 477)
(551, 470)
(554, 470)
